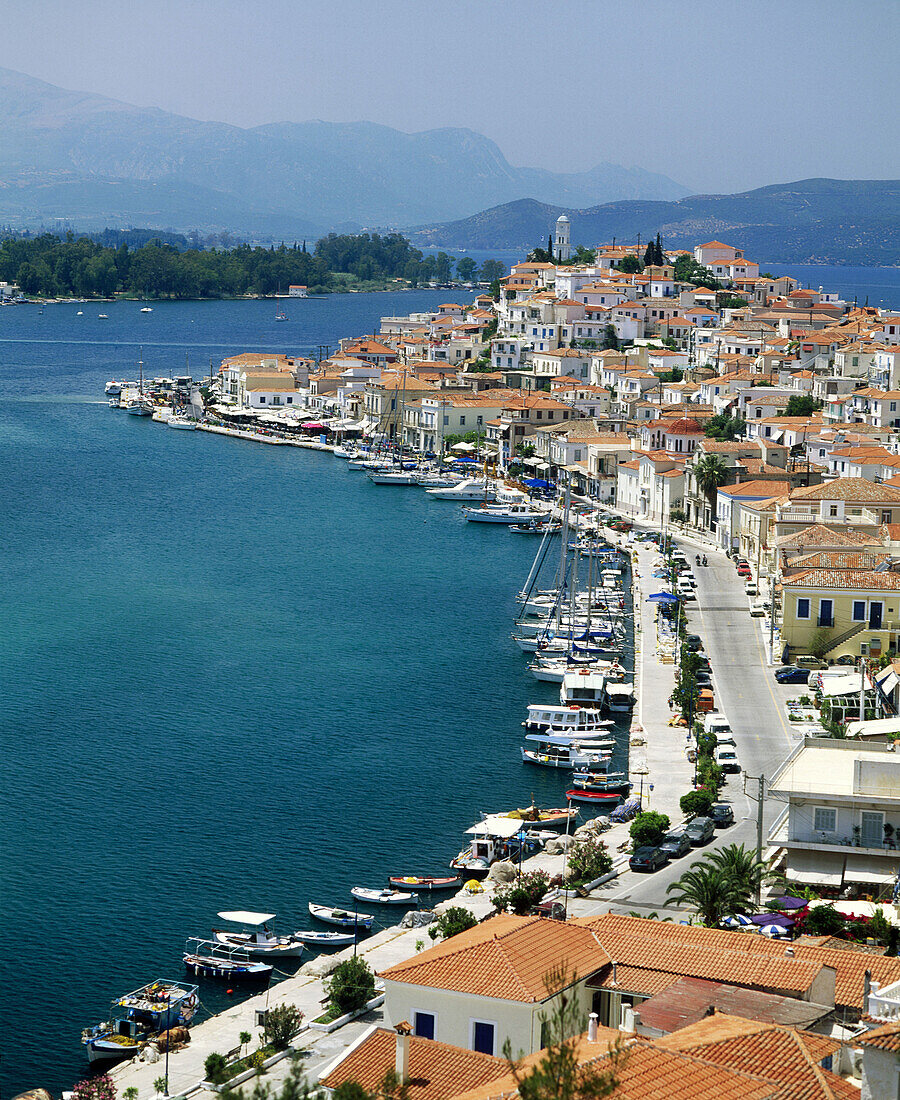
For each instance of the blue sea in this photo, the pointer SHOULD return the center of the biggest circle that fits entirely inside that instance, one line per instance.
(234, 676)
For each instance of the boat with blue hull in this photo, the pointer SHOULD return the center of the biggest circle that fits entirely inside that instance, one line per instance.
(137, 1017)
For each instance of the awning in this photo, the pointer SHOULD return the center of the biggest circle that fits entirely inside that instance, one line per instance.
(241, 916)
(542, 465)
(497, 826)
(816, 868)
(879, 870)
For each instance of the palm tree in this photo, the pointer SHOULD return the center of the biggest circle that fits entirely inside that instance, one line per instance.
(741, 865)
(710, 473)
(708, 890)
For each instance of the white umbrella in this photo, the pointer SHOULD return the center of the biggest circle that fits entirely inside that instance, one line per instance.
(462, 447)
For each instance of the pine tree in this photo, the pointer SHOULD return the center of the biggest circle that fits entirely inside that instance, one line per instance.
(649, 255)
(660, 258)
(550, 246)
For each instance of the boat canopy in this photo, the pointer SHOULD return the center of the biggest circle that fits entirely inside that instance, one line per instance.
(241, 916)
(497, 826)
(566, 740)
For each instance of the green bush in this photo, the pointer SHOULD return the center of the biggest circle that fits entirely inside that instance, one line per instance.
(283, 1023)
(589, 859)
(351, 985)
(648, 828)
(455, 920)
(823, 920)
(522, 896)
(216, 1068)
(696, 803)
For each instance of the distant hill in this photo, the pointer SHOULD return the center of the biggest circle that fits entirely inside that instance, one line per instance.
(98, 162)
(810, 221)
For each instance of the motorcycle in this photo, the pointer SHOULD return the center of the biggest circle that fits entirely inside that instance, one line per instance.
(698, 559)
(704, 559)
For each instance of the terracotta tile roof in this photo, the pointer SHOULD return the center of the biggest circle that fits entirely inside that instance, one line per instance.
(437, 1071)
(840, 559)
(506, 957)
(855, 489)
(886, 1037)
(855, 579)
(689, 999)
(762, 489)
(818, 534)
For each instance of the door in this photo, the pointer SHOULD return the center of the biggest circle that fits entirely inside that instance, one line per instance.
(872, 831)
(875, 616)
(483, 1036)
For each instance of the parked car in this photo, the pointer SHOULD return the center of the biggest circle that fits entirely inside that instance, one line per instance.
(693, 642)
(676, 844)
(757, 609)
(647, 858)
(751, 588)
(721, 814)
(741, 562)
(703, 662)
(727, 759)
(686, 592)
(700, 831)
(744, 571)
(702, 678)
(806, 660)
(790, 674)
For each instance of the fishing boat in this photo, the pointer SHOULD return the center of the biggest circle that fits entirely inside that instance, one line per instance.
(531, 817)
(583, 687)
(183, 423)
(619, 698)
(210, 959)
(384, 897)
(571, 719)
(602, 781)
(341, 917)
(536, 527)
(593, 798)
(137, 1016)
(473, 488)
(261, 943)
(326, 939)
(426, 882)
(563, 751)
(490, 842)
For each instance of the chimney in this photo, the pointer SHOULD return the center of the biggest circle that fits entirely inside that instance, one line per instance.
(401, 1059)
(592, 1028)
(789, 952)
(614, 980)
(627, 1024)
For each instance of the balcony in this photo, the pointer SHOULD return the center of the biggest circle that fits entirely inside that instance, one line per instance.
(860, 516)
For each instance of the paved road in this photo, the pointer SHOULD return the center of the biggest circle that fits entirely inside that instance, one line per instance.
(746, 691)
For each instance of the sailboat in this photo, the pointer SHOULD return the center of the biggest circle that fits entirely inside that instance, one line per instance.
(140, 405)
(280, 315)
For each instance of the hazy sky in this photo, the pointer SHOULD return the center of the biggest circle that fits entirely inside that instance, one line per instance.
(719, 94)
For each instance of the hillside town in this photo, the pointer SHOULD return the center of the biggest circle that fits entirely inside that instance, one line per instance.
(688, 405)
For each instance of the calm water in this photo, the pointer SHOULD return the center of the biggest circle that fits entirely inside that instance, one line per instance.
(234, 676)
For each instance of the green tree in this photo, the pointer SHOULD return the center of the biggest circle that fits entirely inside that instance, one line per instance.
(610, 338)
(350, 1090)
(450, 923)
(491, 270)
(630, 265)
(282, 1025)
(707, 890)
(659, 259)
(648, 828)
(800, 405)
(696, 803)
(725, 427)
(465, 269)
(558, 1074)
(521, 896)
(731, 301)
(649, 254)
(351, 986)
(710, 473)
(743, 868)
(824, 920)
(589, 859)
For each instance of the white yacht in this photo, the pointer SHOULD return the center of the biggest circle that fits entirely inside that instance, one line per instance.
(502, 513)
(571, 720)
(392, 477)
(184, 423)
(473, 488)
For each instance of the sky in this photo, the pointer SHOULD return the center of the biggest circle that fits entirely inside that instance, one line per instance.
(720, 96)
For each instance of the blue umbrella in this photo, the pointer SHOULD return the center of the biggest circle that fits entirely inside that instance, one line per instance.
(737, 920)
(773, 930)
(788, 902)
(767, 919)
(662, 597)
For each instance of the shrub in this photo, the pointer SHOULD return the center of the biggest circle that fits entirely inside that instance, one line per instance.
(351, 985)
(823, 920)
(696, 803)
(256, 1059)
(95, 1088)
(283, 1023)
(455, 920)
(216, 1067)
(648, 828)
(589, 859)
(522, 896)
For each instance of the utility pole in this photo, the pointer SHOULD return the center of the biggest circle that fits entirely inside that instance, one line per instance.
(760, 803)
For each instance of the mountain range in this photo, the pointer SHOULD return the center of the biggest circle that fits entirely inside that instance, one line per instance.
(809, 221)
(96, 162)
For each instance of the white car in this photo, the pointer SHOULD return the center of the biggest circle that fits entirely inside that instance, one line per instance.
(751, 588)
(757, 609)
(686, 592)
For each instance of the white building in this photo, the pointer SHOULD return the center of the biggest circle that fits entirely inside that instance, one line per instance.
(561, 248)
(841, 825)
(297, 291)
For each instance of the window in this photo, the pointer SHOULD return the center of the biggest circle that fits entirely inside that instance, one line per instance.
(833, 511)
(803, 608)
(859, 611)
(886, 516)
(446, 420)
(290, 400)
(462, 421)
(423, 1024)
(482, 1038)
(262, 400)
(871, 829)
(826, 613)
(539, 415)
(824, 821)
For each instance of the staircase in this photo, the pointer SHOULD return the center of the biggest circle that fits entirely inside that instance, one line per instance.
(857, 628)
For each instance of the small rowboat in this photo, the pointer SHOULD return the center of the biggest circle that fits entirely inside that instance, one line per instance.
(326, 939)
(384, 897)
(208, 959)
(601, 798)
(341, 917)
(426, 882)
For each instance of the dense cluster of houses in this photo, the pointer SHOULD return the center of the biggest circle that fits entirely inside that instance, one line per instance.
(690, 1011)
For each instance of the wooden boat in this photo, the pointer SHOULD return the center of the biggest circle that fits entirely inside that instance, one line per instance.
(326, 939)
(426, 882)
(341, 917)
(209, 959)
(384, 897)
(138, 1016)
(600, 798)
(261, 943)
(534, 818)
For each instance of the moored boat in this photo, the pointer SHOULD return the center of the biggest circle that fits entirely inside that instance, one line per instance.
(343, 918)
(184, 423)
(426, 882)
(210, 959)
(261, 943)
(385, 896)
(137, 1016)
(593, 798)
(326, 939)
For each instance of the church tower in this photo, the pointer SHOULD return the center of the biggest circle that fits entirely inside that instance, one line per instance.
(562, 251)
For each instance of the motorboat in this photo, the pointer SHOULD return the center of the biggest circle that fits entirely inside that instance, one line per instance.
(426, 882)
(343, 452)
(602, 781)
(137, 1016)
(183, 423)
(102, 316)
(261, 943)
(619, 698)
(536, 527)
(114, 403)
(326, 939)
(210, 959)
(583, 687)
(490, 842)
(384, 897)
(114, 388)
(472, 488)
(570, 719)
(343, 918)
(392, 477)
(502, 513)
(146, 309)
(563, 751)
(140, 406)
